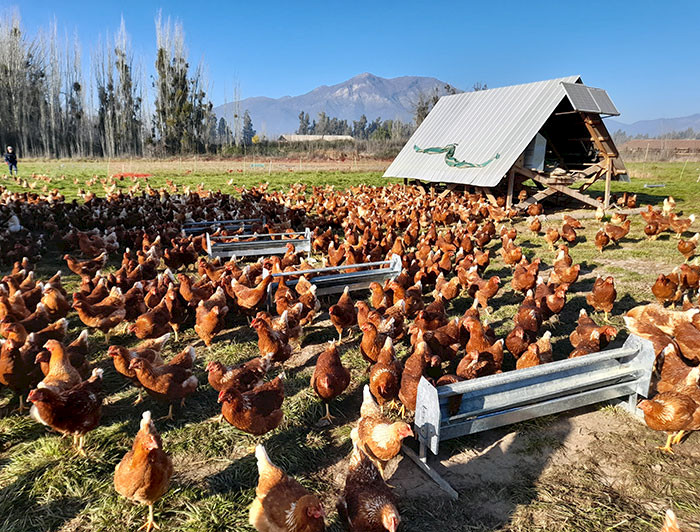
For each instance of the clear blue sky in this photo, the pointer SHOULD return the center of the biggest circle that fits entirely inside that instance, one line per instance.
(645, 53)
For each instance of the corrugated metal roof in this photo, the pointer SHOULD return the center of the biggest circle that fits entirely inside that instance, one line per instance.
(483, 123)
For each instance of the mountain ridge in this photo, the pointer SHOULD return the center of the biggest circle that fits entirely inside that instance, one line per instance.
(389, 99)
(366, 93)
(656, 126)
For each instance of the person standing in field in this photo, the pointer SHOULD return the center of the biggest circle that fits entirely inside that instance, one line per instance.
(11, 159)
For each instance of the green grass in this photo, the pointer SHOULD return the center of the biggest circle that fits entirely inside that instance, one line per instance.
(70, 176)
(680, 181)
(621, 483)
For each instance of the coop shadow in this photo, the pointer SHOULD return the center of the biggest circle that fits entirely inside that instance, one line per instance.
(494, 472)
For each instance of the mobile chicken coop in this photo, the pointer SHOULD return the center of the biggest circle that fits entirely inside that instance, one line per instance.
(549, 131)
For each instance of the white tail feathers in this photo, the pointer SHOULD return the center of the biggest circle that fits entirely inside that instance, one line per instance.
(670, 522)
(192, 353)
(138, 285)
(369, 405)
(547, 335)
(83, 335)
(98, 372)
(670, 348)
(355, 436)
(265, 273)
(367, 394)
(262, 457)
(388, 343)
(145, 419)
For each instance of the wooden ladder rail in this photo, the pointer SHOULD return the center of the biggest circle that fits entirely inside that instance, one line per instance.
(611, 163)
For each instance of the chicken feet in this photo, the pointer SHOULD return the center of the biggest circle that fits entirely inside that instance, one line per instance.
(667, 447)
(170, 415)
(150, 523)
(79, 442)
(22, 407)
(327, 419)
(678, 437)
(139, 399)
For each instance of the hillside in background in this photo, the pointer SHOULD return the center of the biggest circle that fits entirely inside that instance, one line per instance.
(654, 128)
(365, 94)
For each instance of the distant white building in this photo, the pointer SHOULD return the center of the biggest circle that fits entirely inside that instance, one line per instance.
(313, 138)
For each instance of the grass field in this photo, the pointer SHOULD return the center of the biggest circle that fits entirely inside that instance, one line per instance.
(593, 471)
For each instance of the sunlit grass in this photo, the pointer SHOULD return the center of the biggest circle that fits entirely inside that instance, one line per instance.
(44, 486)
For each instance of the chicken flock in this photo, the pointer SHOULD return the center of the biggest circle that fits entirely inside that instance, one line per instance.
(159, 285)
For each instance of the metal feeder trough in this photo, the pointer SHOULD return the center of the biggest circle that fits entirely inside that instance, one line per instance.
(210, 226)
(617, 375)
(255, 245)
(332, 280)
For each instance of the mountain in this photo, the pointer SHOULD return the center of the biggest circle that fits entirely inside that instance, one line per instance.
(366, 94)
(656, 127)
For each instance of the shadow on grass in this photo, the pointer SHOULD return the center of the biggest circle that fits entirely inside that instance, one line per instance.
(494, 472)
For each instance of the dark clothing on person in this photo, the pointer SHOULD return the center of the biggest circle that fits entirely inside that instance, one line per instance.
(11, 160)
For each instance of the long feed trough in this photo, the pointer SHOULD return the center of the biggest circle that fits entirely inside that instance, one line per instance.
(209, 226)
(253, 245)
(618, 375)
(334, 279)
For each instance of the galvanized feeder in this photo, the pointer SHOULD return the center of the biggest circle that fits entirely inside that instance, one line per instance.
(616, 375)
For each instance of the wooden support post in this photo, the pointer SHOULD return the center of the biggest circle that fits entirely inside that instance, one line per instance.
(608, 177)
(511, 185)
(488, 195)
(568, 191)
(449, 188)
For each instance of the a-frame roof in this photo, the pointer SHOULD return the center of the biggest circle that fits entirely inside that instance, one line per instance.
(493, 126)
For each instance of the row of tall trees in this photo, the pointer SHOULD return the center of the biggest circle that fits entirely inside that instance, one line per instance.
(48, 107)
(360, 129)
(620, 136)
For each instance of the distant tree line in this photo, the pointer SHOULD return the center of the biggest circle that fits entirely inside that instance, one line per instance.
(49, 108)
(360, 129)
(620, 137)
